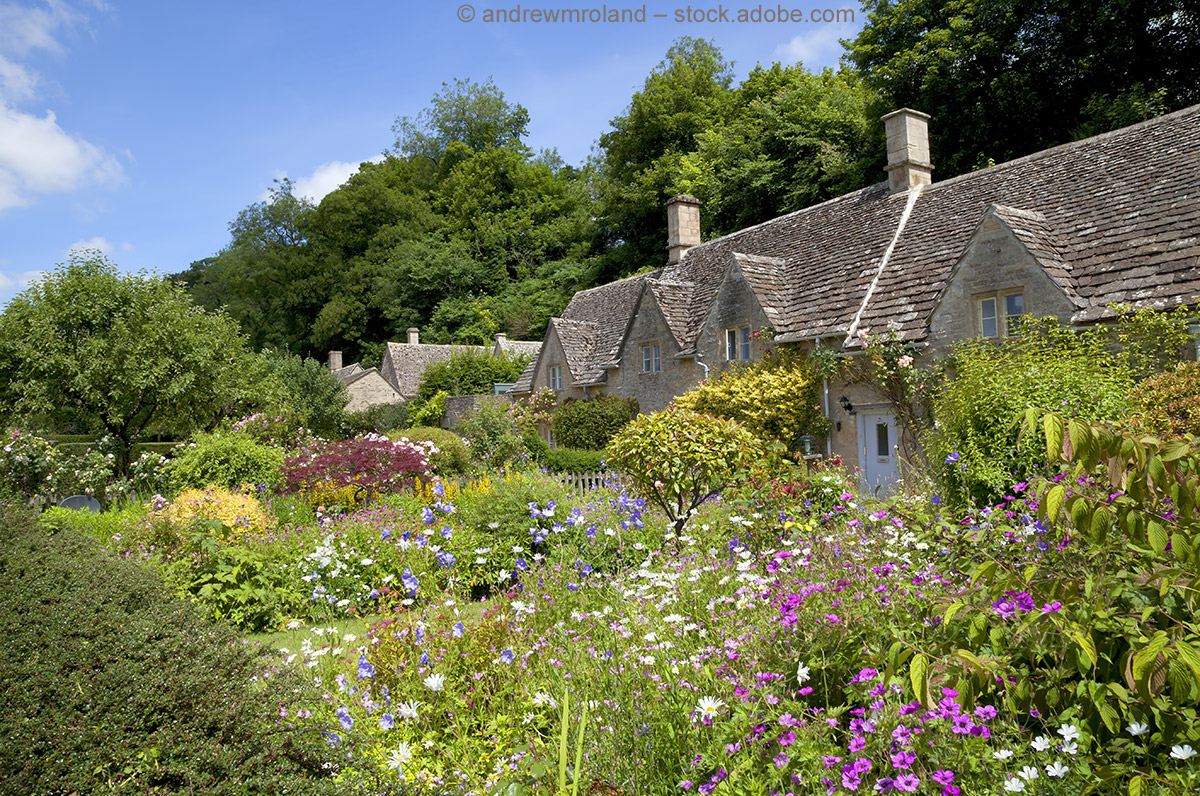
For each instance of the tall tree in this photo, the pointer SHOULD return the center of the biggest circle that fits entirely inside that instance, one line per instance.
(1003, 78)
(123, 354)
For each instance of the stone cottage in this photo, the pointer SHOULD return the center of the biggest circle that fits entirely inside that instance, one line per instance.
(403, 363)
(1063, 232)
(366, 386)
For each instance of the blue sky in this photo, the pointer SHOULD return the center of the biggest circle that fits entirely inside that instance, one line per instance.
(142, 128)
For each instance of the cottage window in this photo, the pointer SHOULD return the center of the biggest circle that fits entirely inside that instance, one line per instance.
(737, 344)
(651, 362)
(556, 377)
(999, 314)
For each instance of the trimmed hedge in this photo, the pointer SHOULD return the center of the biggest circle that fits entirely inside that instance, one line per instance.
(589, 425)
(572, 460)
(111, 685)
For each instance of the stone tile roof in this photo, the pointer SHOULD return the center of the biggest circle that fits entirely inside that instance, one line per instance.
(578, 339)
(610, 308)
(1117, 218)
(674, 300)
(404, 363)
(521, 347)
(348, 374)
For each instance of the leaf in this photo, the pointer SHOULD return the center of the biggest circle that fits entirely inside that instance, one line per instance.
(1054, 501)
(1054, 436)
(1191, 658)
(1137, 786)
(1083, 639)
(1102, 520)
(1156, 534)
(972, 659)
(1158, 473)
(1081, 439)
(918, 673)
(950, 613)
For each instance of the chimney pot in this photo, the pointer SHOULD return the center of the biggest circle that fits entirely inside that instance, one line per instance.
(501, 338)
(414, 336)
(908, 150)
(683, 225)
(335, 360)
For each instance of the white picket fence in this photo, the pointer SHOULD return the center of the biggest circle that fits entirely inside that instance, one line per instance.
(586, 482)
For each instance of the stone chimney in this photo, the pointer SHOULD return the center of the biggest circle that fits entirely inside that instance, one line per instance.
(335, 360)
(501, 339)
(908, 150)
(683, 225)
(414, 336)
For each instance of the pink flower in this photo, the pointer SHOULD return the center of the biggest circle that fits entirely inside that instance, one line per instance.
(905, 361)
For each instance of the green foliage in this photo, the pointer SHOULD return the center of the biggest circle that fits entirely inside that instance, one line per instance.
(378, 419)
(240, 587)
(589, 425)
(572, 460)
(975, 449)
(775, 398)
(1003, 79)
(100, 667)
(453, 456)
(1152, 341)
(428, 413)
(469, 371)
(314, 396)
(492, 434)
(677, 459)
(126, 354)
(225, 460)
(1168, 404)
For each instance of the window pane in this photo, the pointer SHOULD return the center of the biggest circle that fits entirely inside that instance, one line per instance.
(882, 443)
(1014, 308)
(645, 359)
(987, 313)
(745, 343)
(657, 360)
(731, 344)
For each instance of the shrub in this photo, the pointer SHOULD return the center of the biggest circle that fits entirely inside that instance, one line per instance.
(492, 434)
(589, 425)
(237, 513)
(536, 448)
(534, 410)
(314, 396)
(1169, 404)
(451, 457)
(775, 398)
(275, 431)
(28, 466)
(429, 413)
(379, 419)
(225, 460)
(110, 685)
(571, 460)
(677, 459)
(975, 450)
(366, 466)
(470, 371)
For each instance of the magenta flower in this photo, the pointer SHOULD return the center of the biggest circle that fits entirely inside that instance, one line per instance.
(903, 759)
(907, 782)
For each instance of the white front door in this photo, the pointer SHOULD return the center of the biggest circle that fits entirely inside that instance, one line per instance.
(877, 451)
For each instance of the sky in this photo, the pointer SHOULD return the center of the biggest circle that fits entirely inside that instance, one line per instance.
(141, 129)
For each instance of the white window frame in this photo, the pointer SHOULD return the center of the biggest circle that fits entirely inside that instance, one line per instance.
(651, 358)
(737, 344)
(1001, 315)
(556, 377)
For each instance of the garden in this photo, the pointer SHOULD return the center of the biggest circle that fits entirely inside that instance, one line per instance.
(265, 610)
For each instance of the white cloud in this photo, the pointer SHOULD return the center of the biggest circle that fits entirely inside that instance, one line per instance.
(20, 280)
(324, 180)
(98, 243)
(819, 48)
(37, 156)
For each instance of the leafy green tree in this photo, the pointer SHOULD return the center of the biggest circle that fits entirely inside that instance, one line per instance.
(590, 425)
(641, 163)
(469, 372)
(1003, 78)
(313, 395)
(124, 354)
(677, 459)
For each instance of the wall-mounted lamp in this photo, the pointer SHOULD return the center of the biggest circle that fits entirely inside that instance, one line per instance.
(845, 404)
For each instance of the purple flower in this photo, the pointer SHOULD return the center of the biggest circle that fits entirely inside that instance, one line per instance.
(387, 721)
(951, 459)
(458, 630)
(857, 743)
(908, 783)
(345, 718)
(365, 670)
(943, 777)
(903, 759)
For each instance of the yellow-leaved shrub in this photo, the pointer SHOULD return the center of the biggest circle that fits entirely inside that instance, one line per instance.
(774, 398)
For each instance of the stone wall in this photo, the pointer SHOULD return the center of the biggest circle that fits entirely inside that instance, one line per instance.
(371, 390)
(653, 391)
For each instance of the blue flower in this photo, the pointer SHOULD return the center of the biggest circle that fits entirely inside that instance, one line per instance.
(952, 458)
(386, 535)
(365, 669)
(374, 595)
(345, 718)
(534, 511)
(438, 489)
(445, 559)
(522, 564)
(458, 629)
(507, 656)
(427, 515)
(387, 721)
(410, 582)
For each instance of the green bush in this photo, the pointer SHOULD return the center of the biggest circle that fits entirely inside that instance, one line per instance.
(428, 413)
(492, 435)
(110, 685)
(1168, 405)
(225, 460)
(379, 419)
(536, 448)
(313, 396)
(975, 450)
(453, 457)
(571, 460)
(589, 425)
(677, 459)
(470, 371)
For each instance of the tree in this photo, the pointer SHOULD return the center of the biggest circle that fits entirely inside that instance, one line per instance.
(123, 354)
(313, 394)
(1003, 78)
